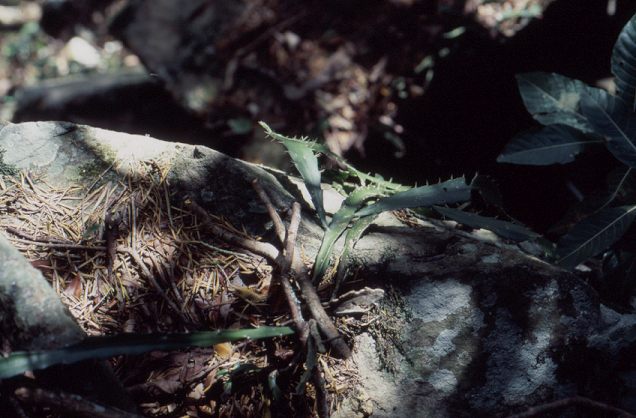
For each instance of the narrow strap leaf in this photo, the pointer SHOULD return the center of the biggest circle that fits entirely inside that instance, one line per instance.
(447, 192)
(509, 230)
(338, 225)
(351, 238)
(129, 344)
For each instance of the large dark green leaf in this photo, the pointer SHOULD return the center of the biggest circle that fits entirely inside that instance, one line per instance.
(621, 189)
(611, 118)
(447, 192)
(594, 235)
(553, 144)
(553, 98)
(129, 344)
(621, 185)
(509, 230)
(624, 63)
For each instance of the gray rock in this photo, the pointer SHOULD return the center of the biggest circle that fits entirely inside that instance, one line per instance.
(471, 326)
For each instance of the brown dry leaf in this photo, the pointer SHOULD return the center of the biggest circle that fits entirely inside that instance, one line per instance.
(74, 288)
(41, 265)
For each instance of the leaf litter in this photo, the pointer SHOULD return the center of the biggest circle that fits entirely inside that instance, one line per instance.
(167, 276)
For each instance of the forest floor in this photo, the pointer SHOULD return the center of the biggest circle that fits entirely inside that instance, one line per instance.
(209, 287)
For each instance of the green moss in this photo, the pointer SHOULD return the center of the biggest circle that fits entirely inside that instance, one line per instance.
(92, 169)
(6, 169)
(104, 157)
(389, 330)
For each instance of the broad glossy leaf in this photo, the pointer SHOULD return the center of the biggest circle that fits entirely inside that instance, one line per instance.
(553, 144)
(447, 192)
(624, 63)
(594, 235)
(614, 120)
(621, 189)
(338, 225)
(553, 98)
(509, 230)
(128, 344)
(621, 185)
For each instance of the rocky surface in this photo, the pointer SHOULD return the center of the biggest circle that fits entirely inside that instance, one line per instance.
(470, 325)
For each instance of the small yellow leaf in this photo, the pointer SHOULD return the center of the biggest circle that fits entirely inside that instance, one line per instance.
(223, 350)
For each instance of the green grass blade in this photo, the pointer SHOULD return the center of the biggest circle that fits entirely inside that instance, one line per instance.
(509, 230)
(554, 144)
(447, 192)
(128, 344)
(338, 225)
(594, 235)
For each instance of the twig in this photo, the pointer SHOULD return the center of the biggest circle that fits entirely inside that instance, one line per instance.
(168, 209)
(322, 396)
(30, 237)
(150, 277)
(90, 188)
(301, 275)
(111, 225)
(70, 403)
(340, 348)
(290, 240)
(536, 411)
(292, 300)
(278, 223)
(261, 248)
(62, 246)
(238, 255)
